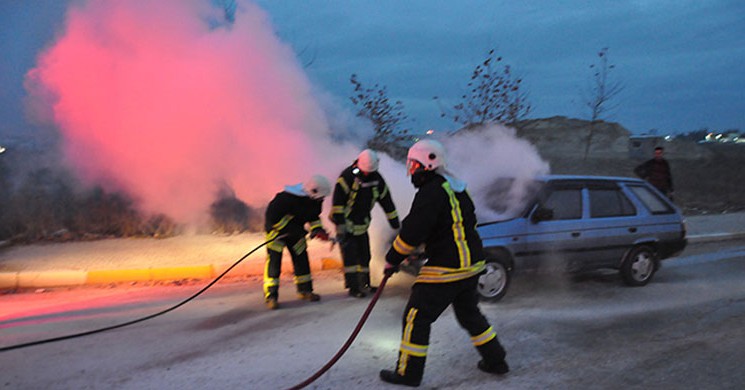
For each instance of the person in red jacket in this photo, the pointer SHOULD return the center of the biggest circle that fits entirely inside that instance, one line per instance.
(357, 189)
(443, 219)
(287, 215)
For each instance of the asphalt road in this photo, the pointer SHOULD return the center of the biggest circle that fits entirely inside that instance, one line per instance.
(682, 331)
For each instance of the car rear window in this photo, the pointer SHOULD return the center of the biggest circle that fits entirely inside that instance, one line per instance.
(651, 200)
(609, 203)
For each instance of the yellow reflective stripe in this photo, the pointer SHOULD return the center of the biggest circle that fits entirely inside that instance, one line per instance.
(343, 184)
(315, 224)
(301, 279)
(385, 192)
(350, 269)
(337, 209)
(364, 270)
(392, 214)
(414, 349)
(283, 222)
(352, 197)
(432, 274)
(299, 247)
(484, 338)
(276, 245)
(403, 358)
(459, 234)
(402, 247)
(359, 230)
(375, 195)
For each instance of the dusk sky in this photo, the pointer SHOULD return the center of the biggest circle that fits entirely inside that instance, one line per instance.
(680, 61)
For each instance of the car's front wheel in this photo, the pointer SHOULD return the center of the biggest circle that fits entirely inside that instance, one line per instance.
(639, 266)
(493, 282)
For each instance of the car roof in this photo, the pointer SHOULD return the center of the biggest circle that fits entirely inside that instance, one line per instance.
(587, 179)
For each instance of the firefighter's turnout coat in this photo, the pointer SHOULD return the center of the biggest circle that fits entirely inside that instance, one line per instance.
(288, 213)
(355, 195)
(443, 219)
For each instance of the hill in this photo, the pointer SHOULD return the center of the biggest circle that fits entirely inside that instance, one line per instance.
(708, 178)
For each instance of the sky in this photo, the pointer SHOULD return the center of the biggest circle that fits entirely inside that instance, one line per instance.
(679, 61)
(165, 100)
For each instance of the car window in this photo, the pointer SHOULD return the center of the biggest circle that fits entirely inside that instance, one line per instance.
(565, 203)
(609, 203)
(651, 200)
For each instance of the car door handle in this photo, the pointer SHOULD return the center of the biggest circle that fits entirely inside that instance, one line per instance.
(575, 234)
(632, 230)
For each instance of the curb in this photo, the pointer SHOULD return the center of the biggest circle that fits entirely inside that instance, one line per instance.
(714, 237)
(66, 278)
(60, 278)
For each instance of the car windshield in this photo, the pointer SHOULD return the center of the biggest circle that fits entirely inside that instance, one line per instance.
(508, 197)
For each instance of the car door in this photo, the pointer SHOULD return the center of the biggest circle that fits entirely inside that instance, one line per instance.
(552, 242)
(611, 227)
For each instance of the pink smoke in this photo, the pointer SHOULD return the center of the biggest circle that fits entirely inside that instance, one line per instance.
(152, 100)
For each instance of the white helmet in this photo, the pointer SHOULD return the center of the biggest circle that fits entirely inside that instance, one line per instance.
(317, 187)
(426, 154)
(368, 161)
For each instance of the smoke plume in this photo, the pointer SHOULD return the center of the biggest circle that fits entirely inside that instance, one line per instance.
(165, 100)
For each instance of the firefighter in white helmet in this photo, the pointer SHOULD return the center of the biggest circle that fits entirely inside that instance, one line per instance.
(442, 218)
(288, 213)
(357, 189)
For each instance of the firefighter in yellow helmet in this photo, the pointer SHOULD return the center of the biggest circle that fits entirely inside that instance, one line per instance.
(443, 218)
(288, 213)
(357, 189)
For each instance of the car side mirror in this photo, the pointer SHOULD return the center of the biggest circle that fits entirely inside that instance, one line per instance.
(542, 214)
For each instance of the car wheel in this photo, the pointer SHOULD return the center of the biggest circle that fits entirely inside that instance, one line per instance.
(493, 282)
(639, 266)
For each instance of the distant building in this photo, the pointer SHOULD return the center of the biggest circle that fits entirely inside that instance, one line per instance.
(642, 146)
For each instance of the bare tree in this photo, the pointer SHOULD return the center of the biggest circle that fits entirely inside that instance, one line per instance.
(602, 92)
(494, 94)
(387, 117)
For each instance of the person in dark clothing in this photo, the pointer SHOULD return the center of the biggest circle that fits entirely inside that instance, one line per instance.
(287, 214)
(657, 172)
(443, 219)
(357, 189)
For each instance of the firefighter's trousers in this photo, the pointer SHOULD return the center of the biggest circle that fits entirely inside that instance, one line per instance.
(426, 303)
(273, 266)
(355, 254)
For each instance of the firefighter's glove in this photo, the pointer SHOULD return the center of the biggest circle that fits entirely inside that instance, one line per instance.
(389, 269)
(319, 233)
(395, 223)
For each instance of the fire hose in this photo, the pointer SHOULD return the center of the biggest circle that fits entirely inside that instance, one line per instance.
(132, 322)
(351, 338)
(301, 385)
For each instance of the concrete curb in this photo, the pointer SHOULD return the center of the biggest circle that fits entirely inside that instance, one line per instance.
(66, 278)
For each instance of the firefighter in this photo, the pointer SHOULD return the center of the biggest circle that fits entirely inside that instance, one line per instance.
(357, 189)
(287, 214)
(443, 219)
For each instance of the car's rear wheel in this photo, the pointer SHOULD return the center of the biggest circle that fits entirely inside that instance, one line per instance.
(493, 282)
(639, 266)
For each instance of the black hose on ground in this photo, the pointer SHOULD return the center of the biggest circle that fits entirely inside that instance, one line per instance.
(90, 332)
(351, 338)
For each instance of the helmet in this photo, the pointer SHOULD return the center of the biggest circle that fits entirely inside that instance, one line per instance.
(426, 154)
(317, 187)
(368, 161)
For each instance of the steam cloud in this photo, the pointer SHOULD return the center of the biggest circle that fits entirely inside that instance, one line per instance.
(164, 100)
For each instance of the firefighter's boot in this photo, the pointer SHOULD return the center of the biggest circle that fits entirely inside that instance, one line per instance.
(352, 282)
(393, 377)
(499, 367)
(309, 296)
(272, 304)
